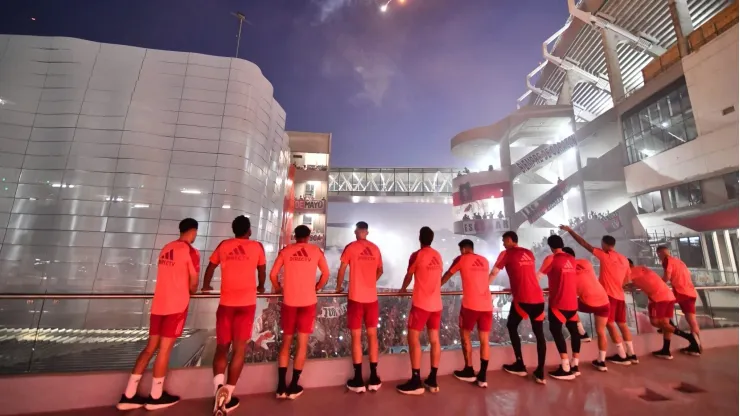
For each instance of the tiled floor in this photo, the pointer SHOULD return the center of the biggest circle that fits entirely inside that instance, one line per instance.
(616, 392)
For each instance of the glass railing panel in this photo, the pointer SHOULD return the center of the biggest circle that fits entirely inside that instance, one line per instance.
(18, 322)
(721, 310)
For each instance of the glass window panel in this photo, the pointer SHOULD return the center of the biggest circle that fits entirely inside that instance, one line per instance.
(657, 200)
(691, 132)
(644, 116)
(710, 251)
(731, 185)
(689, 251)
(654, 114)
(627, 128)
(735, 247)
(695, 194)
(674, 104)
(685, 101)
(676, 134)
(664, 110)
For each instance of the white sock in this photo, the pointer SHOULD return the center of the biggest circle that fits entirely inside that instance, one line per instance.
(574, 362)
(565, 364)
(230, 388)
(620, 350)
(133, 385)
(630, 348)
(602, 356)
(218, 380)
(157, 387)
(581, 329)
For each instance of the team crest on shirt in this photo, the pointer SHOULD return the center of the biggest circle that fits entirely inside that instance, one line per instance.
(237, 254)
(366, 254)
(300, 255)
(167, 259)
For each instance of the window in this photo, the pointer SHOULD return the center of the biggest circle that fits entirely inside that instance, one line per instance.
(731, 184)
(310, 190)
(689, 251)
(708, 237)
(662, 124)
(308, 220)
(685, 195)
(649, 202)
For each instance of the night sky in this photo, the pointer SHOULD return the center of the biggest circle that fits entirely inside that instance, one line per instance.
(393, 87)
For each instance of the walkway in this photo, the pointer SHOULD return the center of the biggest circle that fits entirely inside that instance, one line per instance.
(616, 392)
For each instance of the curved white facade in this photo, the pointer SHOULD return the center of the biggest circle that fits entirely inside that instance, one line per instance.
(105, 148)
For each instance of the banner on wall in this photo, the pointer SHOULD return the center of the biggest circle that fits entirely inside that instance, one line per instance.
(333, 312)
(611, 222)
(530, 162)
(474, 227)
(312, 205)
(315, 238)
(546, 202)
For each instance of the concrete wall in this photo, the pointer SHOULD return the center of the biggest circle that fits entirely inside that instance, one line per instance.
(105, 148)
(711, 78)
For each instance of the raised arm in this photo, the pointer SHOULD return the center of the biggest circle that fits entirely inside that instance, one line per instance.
(276, 288)
(324, 268)
(500, 264)
(208, 277)
(583, 243)
(454, 268)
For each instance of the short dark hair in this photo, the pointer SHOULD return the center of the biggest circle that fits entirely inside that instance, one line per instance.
(362, 225)
(466, 244)
(188, 224)
(240, 226)
(426, 236)
(662, 248)
(609, 240)
(512, 235)
(632, 263)
(555, 241)
(569, 251)
(302, 231)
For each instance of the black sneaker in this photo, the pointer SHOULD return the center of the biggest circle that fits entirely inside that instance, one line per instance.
(281, 392)
(585, 337)
(633, 359)
(616, 359)
(431, 385)
(294, 391)
(232, 404)
(664, 354)
(356, 385)
(165, 401)
(412, 387)
(539, 376)
(374, 383)
(518, 369)
(692, 350)
(220, 400)
(136, 402)
(574, 369)
(480, 380)
(466, 374)
(561, 374)
(600, 365)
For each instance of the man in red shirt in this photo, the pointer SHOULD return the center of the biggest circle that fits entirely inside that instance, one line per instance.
(177, 278)
(477, 309)
(365, 268)
(241, 260)
(592, 298)
(676, 272)
(425, 268)
(613, 271)
(562, 310)
(528, 301)
(300, 262)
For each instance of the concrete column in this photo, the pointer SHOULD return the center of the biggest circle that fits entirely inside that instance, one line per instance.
(609, 41)
(682, 24)
(505, 157)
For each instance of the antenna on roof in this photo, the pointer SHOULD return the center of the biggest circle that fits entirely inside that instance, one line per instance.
(242, 19)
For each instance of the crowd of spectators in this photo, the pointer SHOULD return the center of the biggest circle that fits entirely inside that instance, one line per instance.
(574, 223)
(467, 171)
(484, 216)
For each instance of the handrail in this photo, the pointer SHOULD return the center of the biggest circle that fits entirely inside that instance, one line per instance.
(216, 295)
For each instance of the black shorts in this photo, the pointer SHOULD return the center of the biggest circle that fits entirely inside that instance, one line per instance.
(561, 315)
(533, 311)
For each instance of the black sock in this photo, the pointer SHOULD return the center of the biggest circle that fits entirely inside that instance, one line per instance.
(373, 370)
(358, 371)
(666, 345)
(282, 371)
(416, 374)
(296, 377)
(433, 374)
(483, 366)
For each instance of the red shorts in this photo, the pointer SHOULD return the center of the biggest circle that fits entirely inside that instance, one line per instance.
(357, 312)
(297, 318)
(687, 303)
(234, 323)
(661, 310)
(617, 311)
(419, 318)
(469, 318)
(600, 311)
(167, 326)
